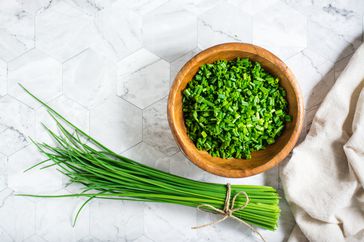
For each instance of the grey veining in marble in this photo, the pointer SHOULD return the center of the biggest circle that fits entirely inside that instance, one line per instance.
(107, 65)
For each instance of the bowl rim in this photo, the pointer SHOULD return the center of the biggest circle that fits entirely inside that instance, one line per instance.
(277, 158)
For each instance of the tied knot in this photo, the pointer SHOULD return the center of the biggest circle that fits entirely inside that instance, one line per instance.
(229, 209)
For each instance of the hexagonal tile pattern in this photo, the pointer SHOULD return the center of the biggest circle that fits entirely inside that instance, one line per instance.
(12, 140)
(149, 155)
(34, 181)
(156, 131)
(5, 237)
(92, 6)
(35, 238)
(3, 164)
(35, 6)
(166, 222)
(143, 78)
(181, 166)
(17, 217)
(120, 27)
(143, 239)
(54, 219)
(330, 44)
(120, 126)
(280, 29)
(89, 78)
(4, 195)
(16, 123)
(3, 78)
(252, 6)
(236, 27)
(63, 31)
(107, 65)
(178, 64)
(69, 109)
(169, 31)
(37, 71)
(343, 8)
(145, 154)
(16, 29)
(314, 73)
(116, 220)
(89, 238)
(200, 6)
(142, 7)
(346, 21)
(136, 61)
(334, 29)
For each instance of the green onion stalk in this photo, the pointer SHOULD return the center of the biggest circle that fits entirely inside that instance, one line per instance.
(105, 174)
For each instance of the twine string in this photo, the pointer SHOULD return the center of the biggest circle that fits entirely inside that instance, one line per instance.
(228, 210)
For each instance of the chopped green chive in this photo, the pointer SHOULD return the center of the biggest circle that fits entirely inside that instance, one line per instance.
(232, 108)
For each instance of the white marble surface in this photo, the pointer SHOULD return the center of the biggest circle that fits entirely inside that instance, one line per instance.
(107, 65)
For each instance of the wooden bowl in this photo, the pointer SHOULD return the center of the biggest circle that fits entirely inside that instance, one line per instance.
(261, 160)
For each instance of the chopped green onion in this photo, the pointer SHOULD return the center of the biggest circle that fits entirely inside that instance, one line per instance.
(248, 108)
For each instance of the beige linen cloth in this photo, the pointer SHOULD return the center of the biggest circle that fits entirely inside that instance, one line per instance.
(323, 181)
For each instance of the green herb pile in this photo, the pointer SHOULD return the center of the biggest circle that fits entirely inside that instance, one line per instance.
(232, 108)
(108, 175)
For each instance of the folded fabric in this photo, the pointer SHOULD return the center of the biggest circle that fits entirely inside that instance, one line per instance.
(323, 181)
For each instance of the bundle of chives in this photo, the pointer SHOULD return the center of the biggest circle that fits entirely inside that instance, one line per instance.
(108, 175)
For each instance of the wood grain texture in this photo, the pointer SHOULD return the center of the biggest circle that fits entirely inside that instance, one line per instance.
(261, 160)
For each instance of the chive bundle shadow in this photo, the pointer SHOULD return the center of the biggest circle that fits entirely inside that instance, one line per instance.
(108, 175)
